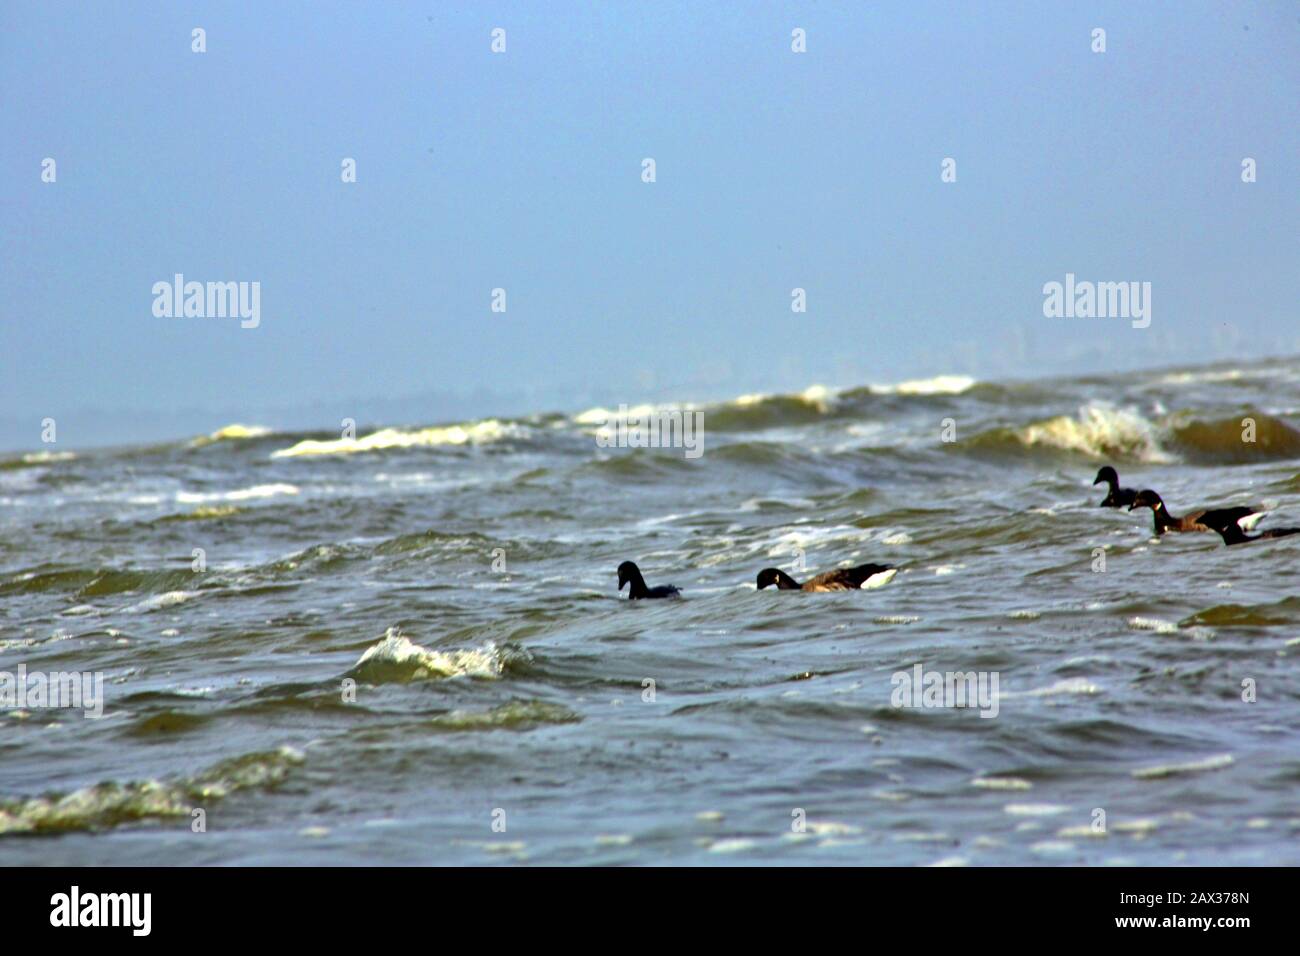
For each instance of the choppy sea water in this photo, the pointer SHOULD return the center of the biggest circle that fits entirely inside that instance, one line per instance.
(462, 578)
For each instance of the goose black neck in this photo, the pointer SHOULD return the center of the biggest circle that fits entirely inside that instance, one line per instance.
(1164, 520)
(636, 585)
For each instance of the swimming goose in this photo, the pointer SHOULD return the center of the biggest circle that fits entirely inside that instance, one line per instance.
(841, 579)
(1203, 520)
(1118, 496)
(629, 572)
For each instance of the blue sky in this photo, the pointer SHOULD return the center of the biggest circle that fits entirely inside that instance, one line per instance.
(522, 171)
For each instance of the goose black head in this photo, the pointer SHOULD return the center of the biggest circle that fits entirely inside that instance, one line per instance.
(1146, 498)
(1107, 474)
(627, 571)
(769, 576)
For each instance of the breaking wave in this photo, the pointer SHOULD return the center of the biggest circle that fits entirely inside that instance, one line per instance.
(235, 432)
(1099, 431)
(470, 433)
(938, 385)
(396, 659)
(106, 805)
(1224, 440)
(239, 494)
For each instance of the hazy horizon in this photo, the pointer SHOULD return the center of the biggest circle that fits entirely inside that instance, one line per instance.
(522, 170)
(416, 409)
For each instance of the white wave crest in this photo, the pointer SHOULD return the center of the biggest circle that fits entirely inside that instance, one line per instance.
(818, 396)
(160, 601)
(1100, 431)
(233, 432)
(45, 457)
(419, 663)
(938, 385)
(239, 494)
(476, 433)
(1217, 762)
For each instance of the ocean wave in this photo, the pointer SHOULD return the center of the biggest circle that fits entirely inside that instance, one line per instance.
(1216, 762)
(318, 557)
(1222, 440)
(234, 432)
(239, 494)
(1099, 430)
(203, 513)
(746, 413)
(84, 583)
(938, 385)
(1218, 376)
(34, 459)
(763, 410)
(756, 412)
(602, 416)
(513, 715)
(159, 602)
(106, 805)
(1236, 615)
(45, 457)
(1067, 686)
(1155, 624)
(396, 659)
(470, 433)
(1105, 432)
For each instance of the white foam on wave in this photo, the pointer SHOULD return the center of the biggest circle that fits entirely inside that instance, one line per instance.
(804, 538)
(1222, 375)
(1071, 685)
(160, 601)
(1100, 430)
(1034, 809)
(734, 845)
(421, 663)
(938, 385)
(47, 457)
(600, 415)
(818, 396)
(233, 432)
(1217, 762)
(239, 494)
(470, 433)
(1152, 624)
(604, 419)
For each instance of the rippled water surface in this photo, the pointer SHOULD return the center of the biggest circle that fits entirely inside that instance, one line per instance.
(462, 577)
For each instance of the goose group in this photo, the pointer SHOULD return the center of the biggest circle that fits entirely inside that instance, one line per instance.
(1231, 524)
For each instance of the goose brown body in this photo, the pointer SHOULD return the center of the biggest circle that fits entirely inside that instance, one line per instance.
(1204, 520)
(841, 579)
